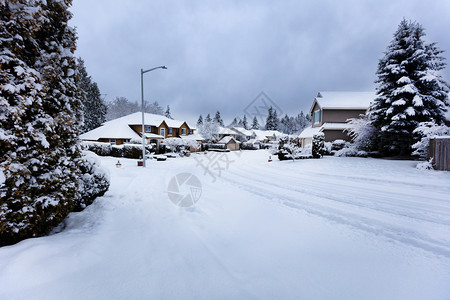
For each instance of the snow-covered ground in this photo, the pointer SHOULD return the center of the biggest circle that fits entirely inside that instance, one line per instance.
(334, 228)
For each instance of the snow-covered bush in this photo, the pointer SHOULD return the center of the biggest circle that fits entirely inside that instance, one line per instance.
(318, 145)
(363, 133)
(249, 146)
(425, 165)
(351, 151)
(289, 149)
(338, 145)
(179, 144)
(94, 180)
(102, 149)
(427, 131)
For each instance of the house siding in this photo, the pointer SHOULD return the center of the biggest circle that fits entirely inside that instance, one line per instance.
(332, 135)
(339, 115)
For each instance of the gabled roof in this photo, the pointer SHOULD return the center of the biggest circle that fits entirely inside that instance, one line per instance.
(242, 130)
(343, 100)
(224, 130)
(227, 139)
(120, 128)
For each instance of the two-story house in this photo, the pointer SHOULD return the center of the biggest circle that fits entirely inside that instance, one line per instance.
(330, 112)
(125, 129)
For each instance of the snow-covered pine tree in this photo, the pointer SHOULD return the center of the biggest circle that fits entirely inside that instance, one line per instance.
(244, 122)
(233, 123)
(208, 118)
(255, 123)
(94, 107)
(40, 109)
(410, 89)
(167, 113)
(218, 119)
(200, 121)
(270, 121)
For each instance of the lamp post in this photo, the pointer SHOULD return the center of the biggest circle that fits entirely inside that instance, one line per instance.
(142, 103)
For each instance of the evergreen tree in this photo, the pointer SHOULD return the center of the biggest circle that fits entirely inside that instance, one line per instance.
(167, 113)
(275, 120)
(208, 118)
(218, 119)
(200, 121)
(410, 89)
(269, 121)
(233, 123)
(41, 106)
(94, 108)
(255, 124)
(244, 122)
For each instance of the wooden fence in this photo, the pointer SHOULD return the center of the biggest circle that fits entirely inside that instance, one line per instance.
(440, 152)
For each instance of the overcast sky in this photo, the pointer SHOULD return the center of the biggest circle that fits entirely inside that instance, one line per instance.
(221, 54)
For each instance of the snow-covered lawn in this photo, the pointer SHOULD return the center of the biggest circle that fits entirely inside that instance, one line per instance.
(334, 228)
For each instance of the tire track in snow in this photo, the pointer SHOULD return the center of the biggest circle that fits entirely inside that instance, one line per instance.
(363, 217)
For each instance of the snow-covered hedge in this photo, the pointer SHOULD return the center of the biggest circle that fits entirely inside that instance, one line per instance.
(94, 180)
(289, 148)
(125, 150)
(427, 131)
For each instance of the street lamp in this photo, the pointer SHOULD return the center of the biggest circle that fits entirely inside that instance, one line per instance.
(142, 98)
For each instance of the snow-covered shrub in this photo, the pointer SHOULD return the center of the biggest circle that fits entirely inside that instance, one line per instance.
(249, 146)
(363, 133)
(179, 144)
(289, 149)
(425, 165)
(117, 151)
(94, 180)
(351, 151)
(427, 131)
(102, 149)
(132, 151)
(318, 145)
(338, 145)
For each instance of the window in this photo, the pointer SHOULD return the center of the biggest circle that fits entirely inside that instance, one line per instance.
(317, 116)
(126, 140)
(162, 131)
(183, 131)
(112, 141)
(169, 131)
(148, 128)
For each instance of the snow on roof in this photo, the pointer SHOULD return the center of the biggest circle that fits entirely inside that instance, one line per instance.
(344, 100)
(111, 130)
(308, 132)
(119, 128)
(195, 136)
(243, 131)
(224, 130)
(335, 126)
(226, 140)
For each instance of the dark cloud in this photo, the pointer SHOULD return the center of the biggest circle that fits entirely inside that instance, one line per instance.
(221, 54)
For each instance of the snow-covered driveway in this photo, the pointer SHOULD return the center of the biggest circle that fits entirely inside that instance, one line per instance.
(344, 228)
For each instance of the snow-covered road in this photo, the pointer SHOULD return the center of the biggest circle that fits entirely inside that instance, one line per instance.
(346, 228)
